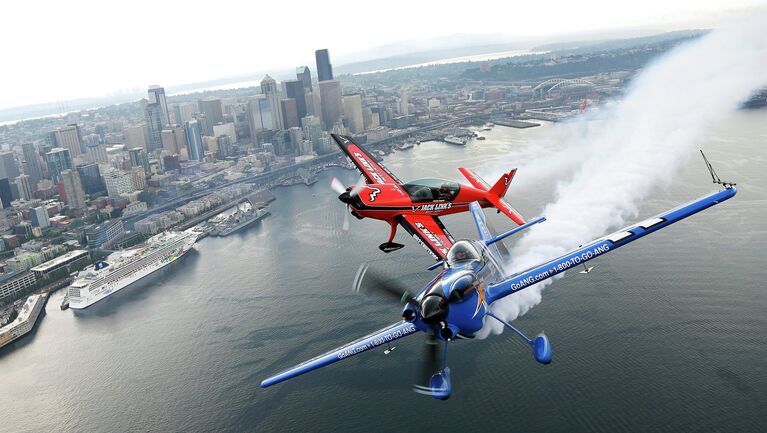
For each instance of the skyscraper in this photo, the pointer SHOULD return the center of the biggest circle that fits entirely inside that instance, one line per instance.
(39, 217)
(324, 68)
(58, 160)
(90, 176)
(330, 100)
(269, 89)
(353, 112)
(295, 89)
(136, 136)
(157, 96)
(6, 196)
(156, 114)
(69, 138)
(260, 116)
(25, 188)
(8, 167)
(304, 75)
(194, 141)
(138, 158)
(213, 112)
(32, 164)
(97, 153)
(73, 189)
(184, 111)
(404, 107)
(289, 112)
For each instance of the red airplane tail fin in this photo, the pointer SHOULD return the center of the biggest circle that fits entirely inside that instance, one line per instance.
(496, 192)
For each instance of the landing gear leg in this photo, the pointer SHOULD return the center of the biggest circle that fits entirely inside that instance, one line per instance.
(541, 347)
(390, 246)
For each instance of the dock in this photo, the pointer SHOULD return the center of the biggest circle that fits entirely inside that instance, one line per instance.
(513, 123)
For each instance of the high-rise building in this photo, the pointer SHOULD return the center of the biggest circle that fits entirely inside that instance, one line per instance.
(32, 164)
(138, 178)
(353, 112)
(39, 217)
(213, 112)
(225, 129)
(324, 68)
(330, 100)
(269, 89)
(69, 137)
(6, 196)
(25, 187)
(73, 189)
(97, 153)
(184, 111)
(404, 108)
(118, 182)
(304, 75)
(194, 141)
(260, 116)
(224, 147)
(294, 89)
(289, 113)
(136, 136)
(90, 177)
(157, 96)
(58, 160)
(8, 167)
(138, 158)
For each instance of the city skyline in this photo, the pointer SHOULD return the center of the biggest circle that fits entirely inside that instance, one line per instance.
(33, 82)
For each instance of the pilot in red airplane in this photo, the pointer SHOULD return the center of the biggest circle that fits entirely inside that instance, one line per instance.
(415, 205)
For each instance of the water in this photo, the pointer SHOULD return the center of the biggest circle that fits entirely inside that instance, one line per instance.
(666, 335)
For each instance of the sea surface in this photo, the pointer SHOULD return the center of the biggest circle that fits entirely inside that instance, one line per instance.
(667, 335)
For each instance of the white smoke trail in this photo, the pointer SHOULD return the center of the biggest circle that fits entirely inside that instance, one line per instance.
(643, 141)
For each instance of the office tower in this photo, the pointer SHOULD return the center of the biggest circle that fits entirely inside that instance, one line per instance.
(171, 162)
(295, 90)
(68, 137)
(202, 122)
(118, 182)
(25, 187)
(404, 109)
(39, 217)
(169, 142)
(184, 112)
(324, 68)
(90, 177)
(136, 136)
(313, 131)
(194, 141)
(289, 113)
(153, 117)
(73, 189)
(330, 100)
(353, 112)
(138, 178)
(305, 76)
(58, 160)
(224, 146)
(32, 164)
(260, 116)
(225, 129)
(97, 153)
(157, 97)
(8, 167)
(138, 158)
(269, 89)
(6, 196)
(214, 113)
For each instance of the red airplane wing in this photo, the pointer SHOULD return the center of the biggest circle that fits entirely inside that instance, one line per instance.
(373, 171)
(429, 232)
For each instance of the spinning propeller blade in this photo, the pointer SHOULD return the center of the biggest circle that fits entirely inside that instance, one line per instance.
(337, 186)
(375, 281)
(346, 219)
(359, 186)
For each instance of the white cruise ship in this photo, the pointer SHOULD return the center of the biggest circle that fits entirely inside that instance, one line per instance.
(122, 268)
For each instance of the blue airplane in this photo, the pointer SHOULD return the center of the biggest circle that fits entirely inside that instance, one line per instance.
(455, 304)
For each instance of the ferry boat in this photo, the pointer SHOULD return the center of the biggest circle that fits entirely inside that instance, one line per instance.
(452, 139)
(122, 268)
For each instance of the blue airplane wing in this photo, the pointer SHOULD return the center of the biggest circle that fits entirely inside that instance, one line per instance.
(603, 245)
(479, 220)
(377, 338)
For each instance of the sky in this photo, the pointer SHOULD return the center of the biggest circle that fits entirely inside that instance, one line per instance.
(55, 51)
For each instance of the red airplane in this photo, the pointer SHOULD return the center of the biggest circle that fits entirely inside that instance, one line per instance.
(415, 205)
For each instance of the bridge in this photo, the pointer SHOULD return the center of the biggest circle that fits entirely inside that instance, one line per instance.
(548, 86)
